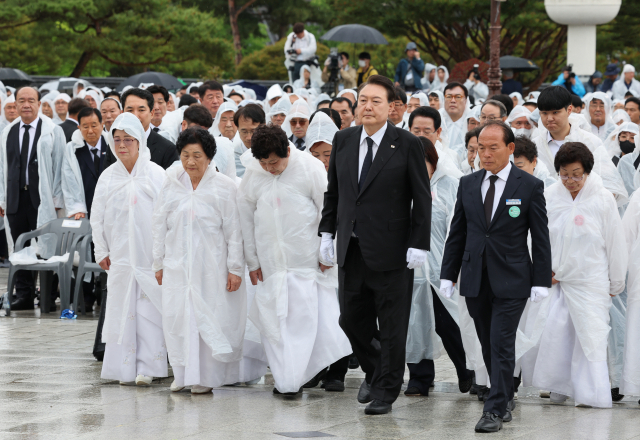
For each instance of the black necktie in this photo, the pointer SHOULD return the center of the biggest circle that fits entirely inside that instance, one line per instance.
(366, 165)
(299, 143)
(96, 160)
(488, 199)
(156, 129)
(24, 156)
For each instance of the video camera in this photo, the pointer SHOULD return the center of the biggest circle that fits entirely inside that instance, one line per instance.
(476, 71)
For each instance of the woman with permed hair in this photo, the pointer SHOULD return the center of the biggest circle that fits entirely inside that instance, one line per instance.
(295, 306)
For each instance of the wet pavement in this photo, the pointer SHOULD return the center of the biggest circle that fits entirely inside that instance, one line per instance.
(50, 388)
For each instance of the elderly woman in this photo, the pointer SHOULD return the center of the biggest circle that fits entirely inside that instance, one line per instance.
(198, 260)
(320, 137)
(121, 216)
(589, 267)
(434, 317)
(223, 124)
(295, 306)
(305, 81)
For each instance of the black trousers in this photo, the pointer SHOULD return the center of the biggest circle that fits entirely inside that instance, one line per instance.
(338, 370)
(496, 321)
(98, 345)
(25, 220)
(369, 299)
(296, 70)
(423, 373)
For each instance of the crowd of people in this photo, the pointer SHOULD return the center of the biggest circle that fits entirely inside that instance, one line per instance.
(311, 234)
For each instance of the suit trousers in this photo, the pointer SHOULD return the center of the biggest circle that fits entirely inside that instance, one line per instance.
(25, 220)
(369, 299)
(422, 374)
(98, 345)
(496, 321)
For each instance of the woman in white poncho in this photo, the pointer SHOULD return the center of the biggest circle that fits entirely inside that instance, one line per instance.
(295, 305)
(433, 323)
(121, 216)
(589, 266)
(199, 261)
(223, 124)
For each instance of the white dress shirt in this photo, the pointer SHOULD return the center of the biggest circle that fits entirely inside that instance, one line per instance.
(32, 135)
(98, 146)
(503, 175)
(71, 119)
(554, 145)
(377, 138)
(147, 133)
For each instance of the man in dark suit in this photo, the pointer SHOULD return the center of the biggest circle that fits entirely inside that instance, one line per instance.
(487, 246)
(140, 103)
(378, 204)
(71, 123)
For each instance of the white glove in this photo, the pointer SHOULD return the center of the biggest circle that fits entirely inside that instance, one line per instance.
(446, 288)
(539, 293)
(416, 258)
(326, 249)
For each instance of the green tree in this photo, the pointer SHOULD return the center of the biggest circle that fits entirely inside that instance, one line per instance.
(137, 34)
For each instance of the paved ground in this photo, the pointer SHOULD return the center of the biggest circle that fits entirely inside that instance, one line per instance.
(50, 388)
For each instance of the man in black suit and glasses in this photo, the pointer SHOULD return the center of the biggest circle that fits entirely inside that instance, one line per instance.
(378, 205)
(487, 246)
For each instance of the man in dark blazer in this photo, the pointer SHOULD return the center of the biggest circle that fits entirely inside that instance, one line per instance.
(487, 246)
(71, 123)
(140, 103)
(378, 205)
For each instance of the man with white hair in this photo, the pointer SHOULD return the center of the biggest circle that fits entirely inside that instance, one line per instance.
(626, 84)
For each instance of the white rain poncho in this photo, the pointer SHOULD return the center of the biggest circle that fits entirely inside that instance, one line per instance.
(542, 172)
(275, 91)
(581, 121)
(440, 98)
(422, 340)
(281, 107)
(428, 67)
(422, 98)
(66, 98)
(612, 142)
(518, 97)
(72, 186)
(321, 129)
(631, 369)
(172, 123)
(440, 85)
(517, 113)
(299, 109)
(303, 94)
(609, 125)
(121, 217)
(629, 171)
(603, 166)
(4, 100)
(321, 97)
(589, 258)
(227, 106)
(351, 91)
(49, 98)
(192, 86)
(249, 93)
(197, 242)
(50, 152)
(224, 157)
(455, 131)
(620, 116)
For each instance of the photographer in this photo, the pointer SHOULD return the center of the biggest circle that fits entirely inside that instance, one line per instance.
(347, 74)
(477, 88)
(570, 81)
(410, 70)
(299, 49)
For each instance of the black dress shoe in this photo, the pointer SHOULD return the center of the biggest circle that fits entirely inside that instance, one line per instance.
(353, 362)
(22, 304)
(316, 379)
(489, 422)
(377, 407)
(333, 385)
(507, 417)
(364, 394)
(99, 355)
(615, 395)
(474, 386)
(464, 385)
(511, 405)
(275, 391)
(414, 391)
(483, 393)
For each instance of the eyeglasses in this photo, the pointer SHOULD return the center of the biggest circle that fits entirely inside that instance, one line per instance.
(575, 179)
(488, 118)
(450, 97)
(398, 104)
(301, 123)
(127, 141)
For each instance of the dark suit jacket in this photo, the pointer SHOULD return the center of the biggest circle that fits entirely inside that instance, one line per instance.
(510, 270)
(13, 169)
(163, 151)
(68, 127)
(88, 170)
(387, 223)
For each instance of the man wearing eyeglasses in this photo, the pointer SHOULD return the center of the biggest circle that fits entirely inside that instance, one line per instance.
(492, 111)
(554, 104)
(398, 109)
(455, 113)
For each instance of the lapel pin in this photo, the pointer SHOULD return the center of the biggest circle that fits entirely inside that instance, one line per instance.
(393, 146)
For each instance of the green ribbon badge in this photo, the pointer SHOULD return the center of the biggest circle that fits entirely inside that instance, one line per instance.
(514, 211)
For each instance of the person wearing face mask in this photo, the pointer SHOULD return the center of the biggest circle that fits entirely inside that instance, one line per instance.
(365, 69)
(198, 260)
(520, 121)
(629, 162)
(347, 73)
(589, 267)
(621, 141)
(295, 306)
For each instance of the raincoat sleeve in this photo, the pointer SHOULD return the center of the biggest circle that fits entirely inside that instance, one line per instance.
(630, 224)
(232, 233)
(59, 144)
(71, 182)
(247, 209)
(455, 243)
(159, 224)
(616, 247)
(101, 247)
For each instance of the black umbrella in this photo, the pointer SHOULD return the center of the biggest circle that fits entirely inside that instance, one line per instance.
(517, 64)
(158, 78)
(14, 77)
(355, 33)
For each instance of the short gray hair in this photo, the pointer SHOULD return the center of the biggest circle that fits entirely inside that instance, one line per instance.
(493, 102)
